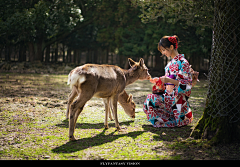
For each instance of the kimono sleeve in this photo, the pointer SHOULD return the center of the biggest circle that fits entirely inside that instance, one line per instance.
(184, 77)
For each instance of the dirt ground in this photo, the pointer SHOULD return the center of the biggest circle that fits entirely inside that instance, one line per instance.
(33, 125)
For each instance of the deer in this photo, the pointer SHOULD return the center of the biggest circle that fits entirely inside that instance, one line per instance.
(102, 81)
(127, 103)
(125, 100)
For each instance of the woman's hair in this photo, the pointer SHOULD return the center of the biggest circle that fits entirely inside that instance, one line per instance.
(165, 43)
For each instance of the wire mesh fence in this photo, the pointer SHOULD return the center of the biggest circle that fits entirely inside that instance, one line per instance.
(223, 98)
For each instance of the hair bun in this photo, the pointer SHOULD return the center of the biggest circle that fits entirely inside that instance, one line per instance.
(176, 37)
(173, 41)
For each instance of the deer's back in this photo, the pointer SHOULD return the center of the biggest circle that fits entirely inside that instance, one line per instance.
(101, 71)
(105, 79)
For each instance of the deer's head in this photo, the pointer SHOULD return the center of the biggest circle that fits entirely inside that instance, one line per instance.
(128, 104)
(130, 107)
(139, 69)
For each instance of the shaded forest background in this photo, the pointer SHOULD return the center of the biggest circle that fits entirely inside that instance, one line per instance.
(76, 32)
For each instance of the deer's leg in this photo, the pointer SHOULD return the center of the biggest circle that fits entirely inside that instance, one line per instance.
(111, 111)
(77, 114)
(107, 110)
(114, 101)
(75, 109)
(110, 115)
(71, 97)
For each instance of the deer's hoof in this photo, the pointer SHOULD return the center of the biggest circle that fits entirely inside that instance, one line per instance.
(118, 128)
(72, 138)
(106, 126)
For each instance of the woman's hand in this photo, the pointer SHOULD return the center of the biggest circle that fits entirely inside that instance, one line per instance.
(165, 79)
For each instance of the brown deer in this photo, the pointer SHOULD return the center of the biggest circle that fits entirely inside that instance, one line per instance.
(102, 81)
(124, 99)
(127, 104)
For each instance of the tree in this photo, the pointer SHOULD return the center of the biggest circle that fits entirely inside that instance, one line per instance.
(196, 13)
(220, 122)
(41, 23)
(117, 21)
(191, 20)
(102, 26)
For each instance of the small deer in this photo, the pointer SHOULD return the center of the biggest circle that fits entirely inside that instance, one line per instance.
(102, 81)
(124, 99)
(127, 104)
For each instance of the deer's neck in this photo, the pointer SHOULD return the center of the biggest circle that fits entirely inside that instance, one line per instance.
(123, 97)
(130, 76)
(122, 102)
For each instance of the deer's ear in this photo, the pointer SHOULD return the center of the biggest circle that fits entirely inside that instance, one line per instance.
(129, 98)
(141, 62)
(131, 62)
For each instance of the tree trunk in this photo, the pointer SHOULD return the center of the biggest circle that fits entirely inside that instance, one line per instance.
(7, 53)
(220, 122)
(88, 56)
(68, 55)
(95, 56)
(107, 53)
(146, 60)
(47, 54)
(39, 51)
(217, 130)
(52, 55)
(159, 64)
(112, 58)
(31, 51)
(21, 52)
(152, 61)
(195, 61)
(79, 56)
(122, 61)
(56, 53)
(63, 50)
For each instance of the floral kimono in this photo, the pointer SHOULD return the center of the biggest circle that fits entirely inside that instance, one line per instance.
(172, 108)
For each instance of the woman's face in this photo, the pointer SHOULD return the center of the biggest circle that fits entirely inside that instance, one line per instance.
(166, 51)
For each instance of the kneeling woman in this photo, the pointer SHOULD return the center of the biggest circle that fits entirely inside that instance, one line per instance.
(171, 108)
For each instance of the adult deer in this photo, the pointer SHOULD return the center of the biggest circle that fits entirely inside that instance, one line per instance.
(124, 99)
(102, 81)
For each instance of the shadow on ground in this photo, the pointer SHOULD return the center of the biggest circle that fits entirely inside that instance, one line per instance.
(65, 123)
(99, 139)
(176, 142)
(166, 134)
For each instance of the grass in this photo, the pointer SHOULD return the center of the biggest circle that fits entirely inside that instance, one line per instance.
(33, 126)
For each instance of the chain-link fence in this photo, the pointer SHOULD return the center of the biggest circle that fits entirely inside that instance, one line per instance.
(223, 98)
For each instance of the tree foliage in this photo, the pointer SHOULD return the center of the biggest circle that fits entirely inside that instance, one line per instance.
(128, 28)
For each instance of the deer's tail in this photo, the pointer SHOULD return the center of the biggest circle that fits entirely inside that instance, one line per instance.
(69, 79)
(75, 79)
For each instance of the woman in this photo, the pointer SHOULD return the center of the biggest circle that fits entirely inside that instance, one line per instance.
(172, 108)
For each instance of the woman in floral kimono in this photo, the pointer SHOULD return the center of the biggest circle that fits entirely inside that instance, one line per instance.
(171, 108)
